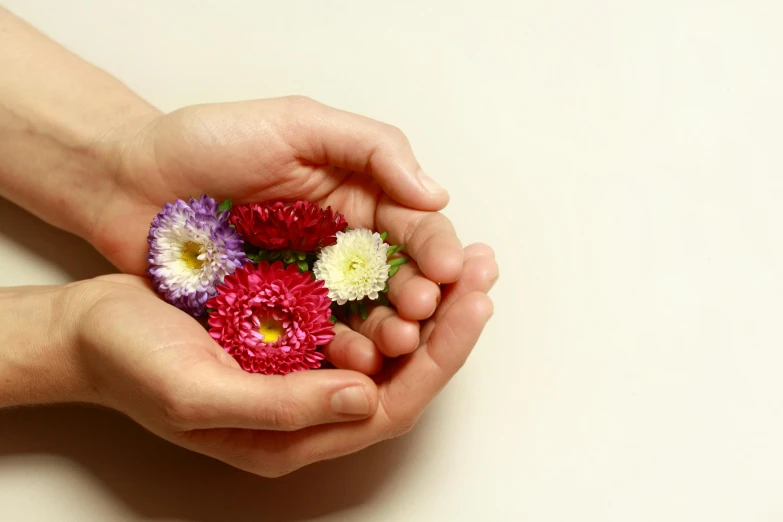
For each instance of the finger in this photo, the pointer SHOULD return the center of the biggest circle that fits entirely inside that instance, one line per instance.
(328, 136)
(407, 387)
(410, 389)
(224, 397)
(429, 237)
(479, 250)
(430, 367)
(479, 274)
(413, 295)
(393, 335)
(350, 350)
(424, 374)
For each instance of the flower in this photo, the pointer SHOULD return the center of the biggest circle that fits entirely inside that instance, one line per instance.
(192, 248)
(271, 319)
(355, 267)
(301, 226)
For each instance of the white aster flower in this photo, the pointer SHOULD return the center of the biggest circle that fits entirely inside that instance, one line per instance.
(355, 267)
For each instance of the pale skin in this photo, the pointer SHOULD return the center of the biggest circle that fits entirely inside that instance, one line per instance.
(84, 153)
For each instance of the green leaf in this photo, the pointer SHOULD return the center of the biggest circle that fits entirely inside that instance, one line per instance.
(393, 249)
(398, 261)
(255, 258)
(385, 287)
(384, 236)
(209, 311)
(393, 270)
(301, 256)
(354, 308)
(303, 266)
(333, 319)
(363, 312)
(226, 205)
(382, 299)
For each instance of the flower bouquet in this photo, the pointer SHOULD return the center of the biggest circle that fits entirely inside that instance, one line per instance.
(270, 278)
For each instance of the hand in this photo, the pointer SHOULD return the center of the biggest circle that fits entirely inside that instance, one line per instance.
(106, 161)
(159, 366)
(294, 148)
(287, 148)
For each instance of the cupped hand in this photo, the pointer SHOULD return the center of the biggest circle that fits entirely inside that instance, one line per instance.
(294, 148)
(159, 366)
(285, 148)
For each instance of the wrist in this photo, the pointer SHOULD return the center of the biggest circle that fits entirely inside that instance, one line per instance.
(111, 145)
(78, 163)
(39, 356)
(63, 124)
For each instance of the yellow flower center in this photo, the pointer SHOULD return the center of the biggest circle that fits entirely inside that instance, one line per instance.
(271, 330)
(190, 253)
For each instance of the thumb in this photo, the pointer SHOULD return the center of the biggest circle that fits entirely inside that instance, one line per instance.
(226, 397)
(323, 135)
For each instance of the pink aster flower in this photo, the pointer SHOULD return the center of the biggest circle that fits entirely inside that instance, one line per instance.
(272, 319)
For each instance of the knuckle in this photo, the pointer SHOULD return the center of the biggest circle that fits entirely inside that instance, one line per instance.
(177, 410)
(481, 249)
(288, 414)
(401, 427)
(395, 134)
(276, 465)
(175, 413)
(277, 471)
(371, 326)
(298, 100)
(397, 423)
(495, 272)
(491, 274)
(415, 231)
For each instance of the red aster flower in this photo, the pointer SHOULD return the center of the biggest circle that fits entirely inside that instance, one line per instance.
(276, 225)
(271, 319)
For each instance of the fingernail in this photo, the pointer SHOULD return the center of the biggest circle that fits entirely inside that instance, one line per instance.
(430, 184)
(351, 401)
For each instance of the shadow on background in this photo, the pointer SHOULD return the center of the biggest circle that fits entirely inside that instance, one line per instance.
(152, 477)
(156, 479)
(74, 256)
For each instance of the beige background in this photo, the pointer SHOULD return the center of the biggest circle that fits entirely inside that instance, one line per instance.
(625, 160)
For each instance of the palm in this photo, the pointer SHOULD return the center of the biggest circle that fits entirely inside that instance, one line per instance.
(404, 392)
(162, 369)
(296, 149)
(151, 345)
(217, 151)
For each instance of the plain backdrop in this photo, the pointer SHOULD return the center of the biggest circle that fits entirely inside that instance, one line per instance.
(623, 157)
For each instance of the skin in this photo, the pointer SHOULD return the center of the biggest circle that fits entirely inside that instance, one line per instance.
(104, 163)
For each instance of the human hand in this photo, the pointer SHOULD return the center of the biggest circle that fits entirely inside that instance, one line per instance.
(158, 365)
(106, 161)
(284, 148)
(146, 358)
(293, 148)
(298, 149)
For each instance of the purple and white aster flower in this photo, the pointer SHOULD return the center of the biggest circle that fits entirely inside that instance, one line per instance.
(192, 248)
